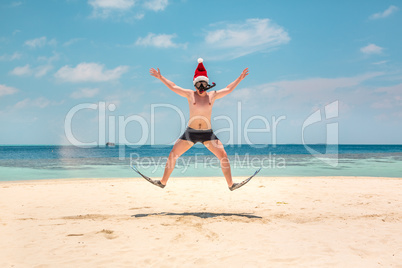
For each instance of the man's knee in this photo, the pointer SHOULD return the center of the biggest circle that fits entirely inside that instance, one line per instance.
(223, 156)
(173, 155)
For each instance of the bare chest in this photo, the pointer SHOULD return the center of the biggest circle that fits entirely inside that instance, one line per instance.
(201, 103)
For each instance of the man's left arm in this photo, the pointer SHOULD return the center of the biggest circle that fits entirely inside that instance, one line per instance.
(223, 92)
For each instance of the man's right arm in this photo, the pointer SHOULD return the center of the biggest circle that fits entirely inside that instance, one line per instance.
(172, 86)
(223, 92)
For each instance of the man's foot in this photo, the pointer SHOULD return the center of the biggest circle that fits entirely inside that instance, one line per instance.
(157, 183)
(234, 186)
(237, 185)
(154, 182)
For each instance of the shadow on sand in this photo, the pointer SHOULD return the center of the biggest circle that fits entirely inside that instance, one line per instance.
(203, 215)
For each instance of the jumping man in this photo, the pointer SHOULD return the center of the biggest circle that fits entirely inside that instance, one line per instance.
(199, 125)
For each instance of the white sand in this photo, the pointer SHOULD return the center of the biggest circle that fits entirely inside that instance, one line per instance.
(271, 222)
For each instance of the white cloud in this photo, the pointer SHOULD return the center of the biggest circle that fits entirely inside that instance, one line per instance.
(384, 14)
(27, 70)
(112, 4)
(123, 9)
(159, 41)
(380, 62)
(40, 42)
(382, 104)
(243, 94)
(306, 92)
(371, 49)
(105, 8)
(40, 102)
(139, 16)
(395, 91)
(72, 41)
(22, 70)
(6, 90)
(89, 72)
(84, 93)
(119, 96)
(50, 59)
(15, 4)
(318, 86)
(156, 5)
(14, 56)
(392, 97)
(42, 70)
(239, 39)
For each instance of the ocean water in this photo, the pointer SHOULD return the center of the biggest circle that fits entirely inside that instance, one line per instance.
(37, 162)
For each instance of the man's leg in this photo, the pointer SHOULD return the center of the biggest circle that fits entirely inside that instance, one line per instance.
(179, 148)
(216, 147)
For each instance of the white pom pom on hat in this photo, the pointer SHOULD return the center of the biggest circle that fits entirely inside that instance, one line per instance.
(200, 60)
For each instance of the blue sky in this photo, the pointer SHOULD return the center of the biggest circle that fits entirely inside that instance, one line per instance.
(302, 56)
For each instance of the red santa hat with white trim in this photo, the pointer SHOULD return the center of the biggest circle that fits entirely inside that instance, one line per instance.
(200, 73)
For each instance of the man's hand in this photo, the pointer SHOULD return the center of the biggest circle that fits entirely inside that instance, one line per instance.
(155, 73)
(244, 74)
(172, 86)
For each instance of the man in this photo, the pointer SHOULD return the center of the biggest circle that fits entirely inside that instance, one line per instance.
(199, 125)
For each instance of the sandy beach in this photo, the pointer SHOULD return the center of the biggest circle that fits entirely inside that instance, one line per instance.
(271, 222)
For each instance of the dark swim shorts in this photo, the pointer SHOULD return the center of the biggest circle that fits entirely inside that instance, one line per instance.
(198, 135)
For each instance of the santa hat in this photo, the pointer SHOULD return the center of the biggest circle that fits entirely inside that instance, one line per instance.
(200, 73)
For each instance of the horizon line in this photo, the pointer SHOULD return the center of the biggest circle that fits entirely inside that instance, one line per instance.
(257, 144)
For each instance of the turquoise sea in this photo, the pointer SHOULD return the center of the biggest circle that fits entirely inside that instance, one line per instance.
(35, 162)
